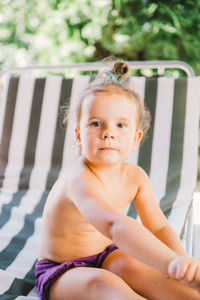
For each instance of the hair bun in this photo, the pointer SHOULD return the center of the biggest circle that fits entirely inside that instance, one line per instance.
(121, 69)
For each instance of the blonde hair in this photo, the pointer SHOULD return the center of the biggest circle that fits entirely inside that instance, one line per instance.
(117, 80)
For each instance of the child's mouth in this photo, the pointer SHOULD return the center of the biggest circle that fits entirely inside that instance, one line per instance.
(107, 148)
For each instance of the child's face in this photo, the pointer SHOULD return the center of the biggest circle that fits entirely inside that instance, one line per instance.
(107, 131)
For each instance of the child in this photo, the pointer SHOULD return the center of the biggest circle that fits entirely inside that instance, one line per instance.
(90, 249)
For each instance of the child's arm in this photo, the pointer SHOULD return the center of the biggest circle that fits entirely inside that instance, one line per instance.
(152, 217)
(132, 238)
(183, 268)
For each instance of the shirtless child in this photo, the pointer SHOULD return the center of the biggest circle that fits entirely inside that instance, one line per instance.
(90, 249)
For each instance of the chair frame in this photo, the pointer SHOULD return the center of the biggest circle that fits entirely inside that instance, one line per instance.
(91, 66)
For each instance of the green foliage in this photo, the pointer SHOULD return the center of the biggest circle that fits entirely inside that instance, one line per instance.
(61, 32)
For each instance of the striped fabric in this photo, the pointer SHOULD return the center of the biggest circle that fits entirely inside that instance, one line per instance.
(35, 149)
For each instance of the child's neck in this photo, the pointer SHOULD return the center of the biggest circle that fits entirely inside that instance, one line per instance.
(105, 173)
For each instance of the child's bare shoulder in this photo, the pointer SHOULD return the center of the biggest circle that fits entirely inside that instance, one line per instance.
(135, 172)
(69, 179)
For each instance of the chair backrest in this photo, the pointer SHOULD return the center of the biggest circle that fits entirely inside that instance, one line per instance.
(35, 149)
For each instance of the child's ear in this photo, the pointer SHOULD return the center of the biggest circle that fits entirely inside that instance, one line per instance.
(78, 136)
(137, 138)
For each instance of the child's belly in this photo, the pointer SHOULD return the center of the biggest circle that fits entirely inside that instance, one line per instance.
(73, 245)
(87, 245)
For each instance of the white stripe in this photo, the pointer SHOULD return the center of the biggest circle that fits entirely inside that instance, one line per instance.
(27, 256)
(161, 136)
(28, 297)
(71, 150)
(179, 209)
(3, 102)
(6, 281)
(16, 222)
(190, 147)
(139, 85)
(5, 198)
(33, 295)
(190, 151)
(196, 209)
(196, 226)
(19, 132)
(46, 132)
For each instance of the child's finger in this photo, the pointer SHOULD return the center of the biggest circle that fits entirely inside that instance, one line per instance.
(197, 276)
(182, 269)
(195, 283)
(172, 268)
(190, 273)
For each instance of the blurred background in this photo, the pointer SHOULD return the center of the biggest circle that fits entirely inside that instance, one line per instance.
(62, 32)
(40, 32)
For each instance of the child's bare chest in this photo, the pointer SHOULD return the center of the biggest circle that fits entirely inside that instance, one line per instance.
(120, 196)
(84, 238)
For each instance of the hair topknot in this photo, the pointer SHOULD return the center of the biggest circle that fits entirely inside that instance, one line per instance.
(121, 69)
(114, 73)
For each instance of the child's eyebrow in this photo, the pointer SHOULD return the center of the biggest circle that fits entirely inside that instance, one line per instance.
(124, 119)
(93, 118)
(120, 119)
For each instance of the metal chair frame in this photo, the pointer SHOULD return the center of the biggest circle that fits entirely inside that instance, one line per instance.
(93, 66)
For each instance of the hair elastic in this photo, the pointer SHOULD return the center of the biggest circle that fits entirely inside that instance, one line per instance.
(114, 74)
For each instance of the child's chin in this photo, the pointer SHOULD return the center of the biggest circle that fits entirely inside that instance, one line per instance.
(105, 159)
(108, 161)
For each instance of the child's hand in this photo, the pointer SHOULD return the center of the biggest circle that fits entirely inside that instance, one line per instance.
(187, 270)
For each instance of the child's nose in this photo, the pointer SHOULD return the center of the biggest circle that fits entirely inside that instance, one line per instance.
(107, 133)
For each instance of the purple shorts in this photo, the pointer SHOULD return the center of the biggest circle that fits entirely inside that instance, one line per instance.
(47, 271)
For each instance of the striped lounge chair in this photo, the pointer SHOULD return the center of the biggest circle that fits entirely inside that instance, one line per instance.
(35, 149)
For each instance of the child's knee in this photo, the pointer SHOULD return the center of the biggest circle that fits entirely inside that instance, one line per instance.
(102, 279)
(110, 286)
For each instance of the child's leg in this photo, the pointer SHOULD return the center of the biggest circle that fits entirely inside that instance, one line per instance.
(91, 283)
(147, 281)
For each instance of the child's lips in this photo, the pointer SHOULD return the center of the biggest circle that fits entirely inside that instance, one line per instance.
(107, 148)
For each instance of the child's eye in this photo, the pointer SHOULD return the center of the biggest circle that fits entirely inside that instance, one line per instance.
(96, 124)
(121, 125)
